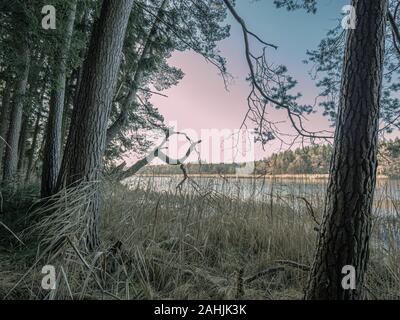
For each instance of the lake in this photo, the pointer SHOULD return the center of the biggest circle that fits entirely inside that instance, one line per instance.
(287, 191)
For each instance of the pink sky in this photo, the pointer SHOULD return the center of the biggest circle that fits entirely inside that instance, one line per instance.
(200, 101)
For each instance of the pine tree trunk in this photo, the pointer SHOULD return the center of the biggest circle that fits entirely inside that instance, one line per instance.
(31, 153)
(14, 130)
(83, 157)
(4, 119)
(346, 228)
(53, 134)
(69, 102)
(122, 119)
(22, 142)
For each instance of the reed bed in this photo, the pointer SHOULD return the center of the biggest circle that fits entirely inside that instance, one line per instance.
(180, 244)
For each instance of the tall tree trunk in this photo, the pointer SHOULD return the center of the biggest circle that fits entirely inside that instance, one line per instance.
(345, 233)
(75, 82)
(4, 119)
(31, 152)
(22, 142)
(69, 101)
(83, 157)
(11, 155)
(122, 119)
(53, 134)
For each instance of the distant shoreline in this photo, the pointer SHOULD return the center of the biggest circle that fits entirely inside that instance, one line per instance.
(269, 177)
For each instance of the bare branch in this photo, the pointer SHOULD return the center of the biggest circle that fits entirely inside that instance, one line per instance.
(261, 75)
(158, 153)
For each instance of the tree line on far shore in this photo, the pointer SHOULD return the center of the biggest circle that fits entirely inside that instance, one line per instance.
(307, 160)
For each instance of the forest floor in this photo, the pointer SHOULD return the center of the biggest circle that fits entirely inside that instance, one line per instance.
(173, 245)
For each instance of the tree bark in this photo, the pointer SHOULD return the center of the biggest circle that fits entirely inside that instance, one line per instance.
(53, 134)
(68, 106)
(11, 155)
(4, 119)
(122, 119)
(31, 152)
(83, 157)
(346, 228)
(22, 142)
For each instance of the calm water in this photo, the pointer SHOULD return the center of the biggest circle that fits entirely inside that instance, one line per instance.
(387, 194)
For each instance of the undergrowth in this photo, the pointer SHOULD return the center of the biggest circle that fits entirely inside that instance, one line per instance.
(201, 245)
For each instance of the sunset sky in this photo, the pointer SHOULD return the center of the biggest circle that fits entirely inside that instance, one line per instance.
(200, 101)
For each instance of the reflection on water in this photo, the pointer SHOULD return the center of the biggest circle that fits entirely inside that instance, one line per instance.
(288, 191)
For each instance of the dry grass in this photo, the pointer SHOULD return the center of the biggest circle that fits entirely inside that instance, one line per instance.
(200, 245)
